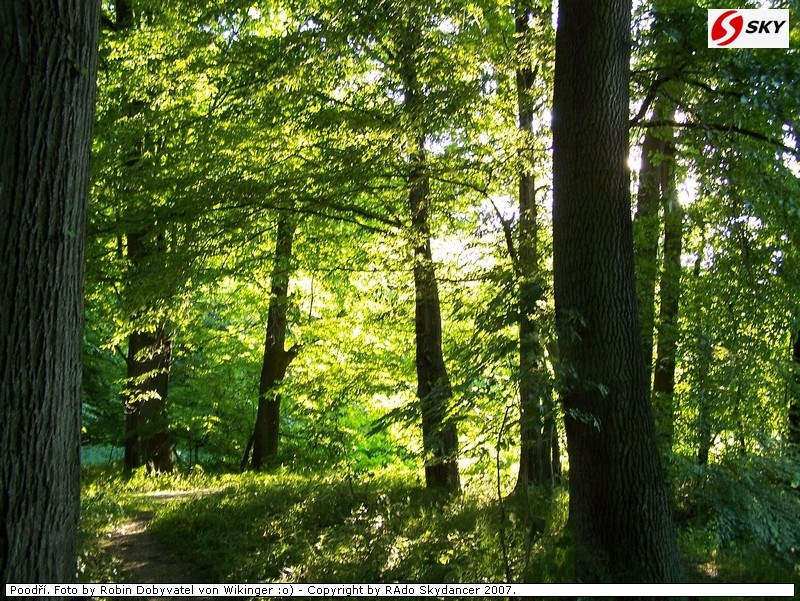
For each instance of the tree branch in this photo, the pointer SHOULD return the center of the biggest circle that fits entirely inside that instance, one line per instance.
(720, 127)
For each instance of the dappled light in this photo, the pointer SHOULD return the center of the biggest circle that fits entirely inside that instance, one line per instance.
(434, 291)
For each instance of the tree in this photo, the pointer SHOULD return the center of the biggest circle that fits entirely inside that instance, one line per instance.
(794, 402)
(143, 241)
(539, 461)
(47, 84)
(619, 511)
(670, 290)
(266, 434)
(439, 436)
(646, 233)
(147, 440)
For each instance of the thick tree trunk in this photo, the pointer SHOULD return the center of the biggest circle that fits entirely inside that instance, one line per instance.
(670, 291)
(619, 511)
(266, 434)
(147, 439)
(539, 461)
(48, 62)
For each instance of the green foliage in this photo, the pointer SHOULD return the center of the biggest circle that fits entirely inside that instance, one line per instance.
(742, 509)
(105, 505)
(213, 118)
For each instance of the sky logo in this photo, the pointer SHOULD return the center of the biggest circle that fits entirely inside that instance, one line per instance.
(748, 28)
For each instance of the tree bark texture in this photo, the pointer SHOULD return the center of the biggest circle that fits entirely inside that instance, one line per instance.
(147, 438)
(266, 434)
(539, 461)
(670, 292)
(619, 511)
(48, 62)
(439, 435)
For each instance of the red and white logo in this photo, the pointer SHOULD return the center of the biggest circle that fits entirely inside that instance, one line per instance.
(748, 28)
(727, 27)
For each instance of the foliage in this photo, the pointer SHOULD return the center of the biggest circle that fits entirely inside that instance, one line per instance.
(739, 518)
(213, 118)
(381, 526)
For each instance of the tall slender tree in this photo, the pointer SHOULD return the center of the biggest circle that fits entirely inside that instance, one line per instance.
(440, 438)
(646, 231)
(47, 84)
(794, 402)
(619, 511)
(539, 461)
(266, 434)
(145, 241)
(670, 291)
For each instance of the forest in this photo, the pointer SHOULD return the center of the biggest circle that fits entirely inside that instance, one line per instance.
(399, 291)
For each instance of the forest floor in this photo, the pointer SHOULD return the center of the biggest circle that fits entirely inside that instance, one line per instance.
(280, 527)
(142, 559)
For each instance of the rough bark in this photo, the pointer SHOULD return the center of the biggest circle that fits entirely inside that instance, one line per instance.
(619, 512)
(670, 291)
(266, 434)
(439, 435)
(539, 461)
(48, 62)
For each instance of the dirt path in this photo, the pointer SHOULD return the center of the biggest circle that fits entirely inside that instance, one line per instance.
(143, 561)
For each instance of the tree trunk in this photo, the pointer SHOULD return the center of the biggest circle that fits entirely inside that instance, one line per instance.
(539, 461)
(794, 402)
(670, 291)
(646, 229)
(266, 434)
(704, 433)
(619, 511)
(440, 440)
(48, 63)
(439, 435)
(147, 439)
(702, 363)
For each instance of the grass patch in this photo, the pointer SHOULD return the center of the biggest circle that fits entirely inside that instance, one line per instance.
(292, 528)
(375, 527)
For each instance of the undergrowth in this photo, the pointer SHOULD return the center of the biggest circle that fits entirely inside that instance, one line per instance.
(738, 520)
(378, 528)
(386, 527)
